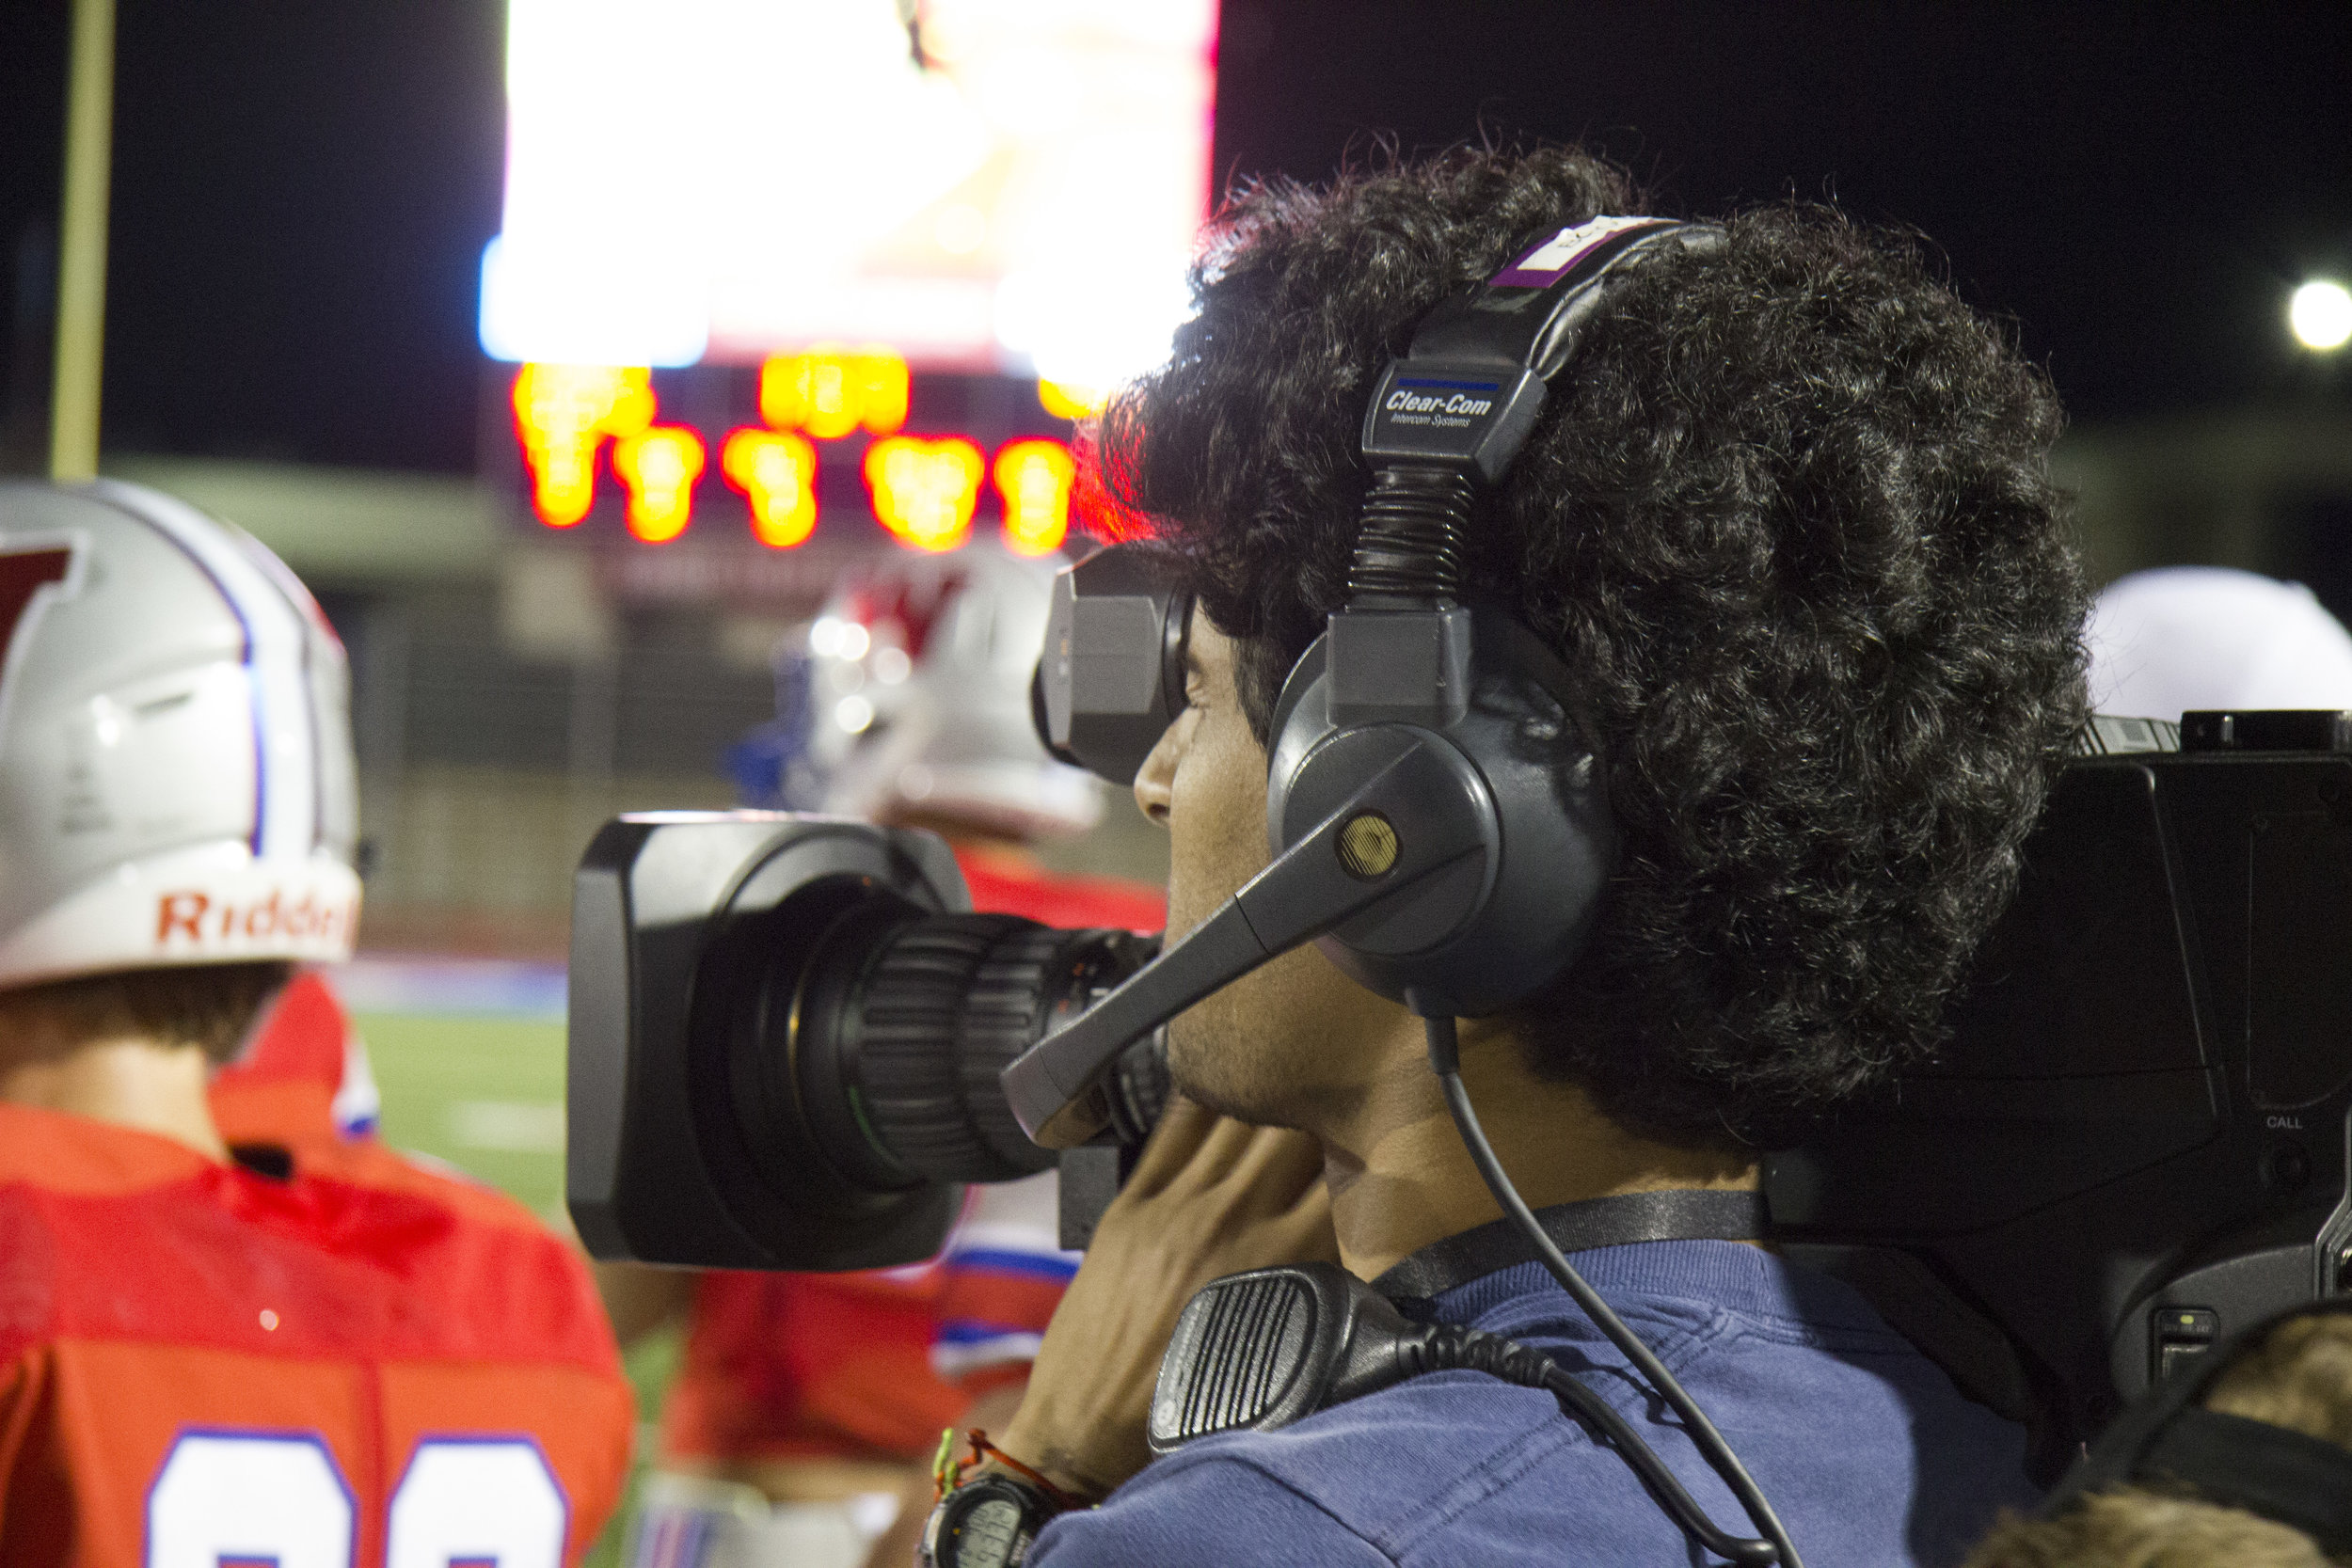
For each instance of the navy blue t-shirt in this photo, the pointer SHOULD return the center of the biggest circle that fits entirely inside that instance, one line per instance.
(1862, 1445)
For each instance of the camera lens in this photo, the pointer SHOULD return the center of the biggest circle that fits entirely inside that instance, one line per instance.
(785, 1041)
(902, 1023)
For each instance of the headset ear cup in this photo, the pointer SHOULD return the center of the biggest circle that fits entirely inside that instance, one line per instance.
(1491, 934)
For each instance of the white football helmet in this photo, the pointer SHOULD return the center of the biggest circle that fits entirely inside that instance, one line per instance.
(175, 743)
(2177, 637)
(910, 691)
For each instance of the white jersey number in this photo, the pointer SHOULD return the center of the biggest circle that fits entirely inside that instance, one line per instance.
(476, 1500)
(227, 1499)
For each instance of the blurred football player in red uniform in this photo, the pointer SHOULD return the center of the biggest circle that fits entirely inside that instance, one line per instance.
(263, 1341)
(301, 1076)
(807, 1404)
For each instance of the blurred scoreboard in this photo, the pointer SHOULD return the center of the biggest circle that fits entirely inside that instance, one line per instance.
(796, 276)
(850, 445)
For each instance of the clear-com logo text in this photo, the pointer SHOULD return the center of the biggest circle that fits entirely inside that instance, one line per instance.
(1403, 402)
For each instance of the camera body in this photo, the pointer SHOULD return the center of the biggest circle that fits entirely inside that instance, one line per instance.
(2134, 1142)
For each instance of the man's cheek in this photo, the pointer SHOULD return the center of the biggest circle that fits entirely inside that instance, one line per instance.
(1200, 883)
(1193, 890)
(1208, 863)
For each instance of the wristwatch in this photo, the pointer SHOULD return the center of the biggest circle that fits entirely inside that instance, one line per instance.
(985, 1523)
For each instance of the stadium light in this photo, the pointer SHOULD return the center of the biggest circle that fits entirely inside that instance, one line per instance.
(1034, 479)
(660, 466)
(1022, 197)
(2320, 315)
(925, 491)
(777, 473)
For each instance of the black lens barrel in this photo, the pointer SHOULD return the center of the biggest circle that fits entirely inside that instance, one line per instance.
(940, 1003)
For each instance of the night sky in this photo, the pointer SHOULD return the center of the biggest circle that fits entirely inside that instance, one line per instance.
(302, 191)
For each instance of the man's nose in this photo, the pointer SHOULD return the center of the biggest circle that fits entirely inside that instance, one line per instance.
(1155, 778)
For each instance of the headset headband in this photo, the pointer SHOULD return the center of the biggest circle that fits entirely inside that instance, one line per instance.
(1467, 392)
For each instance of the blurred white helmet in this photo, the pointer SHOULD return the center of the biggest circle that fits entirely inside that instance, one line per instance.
(175, 743)
(912, 693)
(2180, 637)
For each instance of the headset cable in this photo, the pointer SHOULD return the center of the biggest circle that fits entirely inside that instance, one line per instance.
(1445, 1060)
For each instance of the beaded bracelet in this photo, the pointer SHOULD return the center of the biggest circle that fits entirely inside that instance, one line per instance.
(948, 1471)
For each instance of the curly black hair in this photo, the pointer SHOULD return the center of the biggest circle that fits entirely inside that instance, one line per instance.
(1788, 515)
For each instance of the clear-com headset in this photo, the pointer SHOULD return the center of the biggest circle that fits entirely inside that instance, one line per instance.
(1437, 814)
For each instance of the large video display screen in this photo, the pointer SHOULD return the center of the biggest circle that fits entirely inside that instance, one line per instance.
(1009, 185)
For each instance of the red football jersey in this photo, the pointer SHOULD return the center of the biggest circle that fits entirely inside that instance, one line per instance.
(872, 1365)
(1002, 884)
(301, 1078)
(364, 1363)
(810, 1366)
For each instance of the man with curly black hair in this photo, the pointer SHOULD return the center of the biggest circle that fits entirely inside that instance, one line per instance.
(1787, 517)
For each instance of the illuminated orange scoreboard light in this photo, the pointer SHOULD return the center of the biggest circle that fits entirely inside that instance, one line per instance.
(574, 422)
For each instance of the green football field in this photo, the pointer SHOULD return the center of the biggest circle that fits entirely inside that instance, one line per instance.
(487, 1096)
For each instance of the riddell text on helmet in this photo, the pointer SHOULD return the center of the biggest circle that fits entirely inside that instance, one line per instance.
(190, 918)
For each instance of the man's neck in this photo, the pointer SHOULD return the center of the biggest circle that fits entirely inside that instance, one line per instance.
(1400, 1177)
(126, 1082)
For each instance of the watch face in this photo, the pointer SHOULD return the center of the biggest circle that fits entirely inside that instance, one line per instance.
(987, 1524)
(989, 1534)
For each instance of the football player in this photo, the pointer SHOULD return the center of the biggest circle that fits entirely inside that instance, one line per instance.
(281, 1345)
(2172, 638)
(301, 1077)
